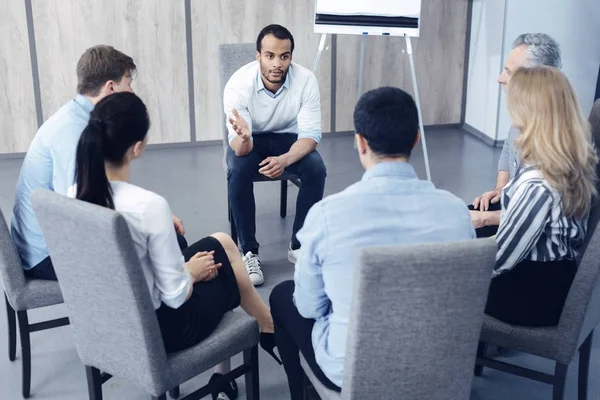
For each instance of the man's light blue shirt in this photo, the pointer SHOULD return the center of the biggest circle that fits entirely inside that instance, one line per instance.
(48, 164)
(389, 206)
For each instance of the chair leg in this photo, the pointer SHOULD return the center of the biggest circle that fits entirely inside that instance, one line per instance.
(174, 393)
(252, 382)
(161, 397)
(232, 224)
(305, 387)
(560, 377)
(94, 382)
(584, 366)
(12, 330)
(481, 352)
(25, 352)
(283, 206)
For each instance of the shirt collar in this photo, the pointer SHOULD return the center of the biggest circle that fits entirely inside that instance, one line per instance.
(261, 86)
(400, 169)
(84, 103)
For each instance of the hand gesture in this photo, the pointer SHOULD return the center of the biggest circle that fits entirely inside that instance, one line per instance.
(272, 167)
(202, 266)
(482, 203)
(240, 126)
(178, 225)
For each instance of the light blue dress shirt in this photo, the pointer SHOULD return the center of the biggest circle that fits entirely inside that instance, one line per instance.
(389, 206)
(49, 164)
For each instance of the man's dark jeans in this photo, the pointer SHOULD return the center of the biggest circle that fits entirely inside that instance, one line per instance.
(240, 183)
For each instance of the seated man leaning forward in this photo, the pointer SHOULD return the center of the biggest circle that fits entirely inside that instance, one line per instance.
(528, 50)
(50, 159)
(274, 119)
(389, 206)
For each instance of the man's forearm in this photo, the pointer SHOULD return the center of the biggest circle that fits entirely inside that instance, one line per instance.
(502, 180)
(492, 218)
(241, 147)
(299, 150)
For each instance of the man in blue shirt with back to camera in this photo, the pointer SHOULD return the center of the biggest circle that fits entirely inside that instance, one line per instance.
(389, 206)
(50, 159)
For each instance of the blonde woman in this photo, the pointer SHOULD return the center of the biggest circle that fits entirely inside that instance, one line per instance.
(546, 206)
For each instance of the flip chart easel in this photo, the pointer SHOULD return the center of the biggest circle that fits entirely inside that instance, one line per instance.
(372, 25)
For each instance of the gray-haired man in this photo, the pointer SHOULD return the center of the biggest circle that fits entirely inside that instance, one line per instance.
(528, 50)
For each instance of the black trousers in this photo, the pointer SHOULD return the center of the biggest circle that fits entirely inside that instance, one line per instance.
(533, 293)
(43, 270)
(487, 231)
(293, 334)
(198, 317)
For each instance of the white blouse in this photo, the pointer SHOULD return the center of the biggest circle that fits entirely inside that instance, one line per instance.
(151, 226)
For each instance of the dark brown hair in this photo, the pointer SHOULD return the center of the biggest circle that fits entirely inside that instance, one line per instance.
(99, 65)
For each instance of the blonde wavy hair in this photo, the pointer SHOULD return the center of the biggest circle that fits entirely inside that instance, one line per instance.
(555, 136)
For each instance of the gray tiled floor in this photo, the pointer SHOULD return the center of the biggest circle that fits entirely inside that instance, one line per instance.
(193, 182)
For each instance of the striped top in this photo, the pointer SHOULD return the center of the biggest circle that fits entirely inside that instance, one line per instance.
(533, 226)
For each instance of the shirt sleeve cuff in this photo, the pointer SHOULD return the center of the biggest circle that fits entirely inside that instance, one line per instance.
(177, 299)
(314, 135)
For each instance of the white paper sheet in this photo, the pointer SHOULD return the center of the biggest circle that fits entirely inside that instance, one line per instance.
(381, 8)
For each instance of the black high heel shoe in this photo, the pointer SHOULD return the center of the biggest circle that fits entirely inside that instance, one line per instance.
(267, 342)
(218, 386)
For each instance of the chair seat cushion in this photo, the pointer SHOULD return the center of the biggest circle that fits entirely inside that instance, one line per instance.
(324, 393)
(235, 333)
(37, 293)
(538, 341)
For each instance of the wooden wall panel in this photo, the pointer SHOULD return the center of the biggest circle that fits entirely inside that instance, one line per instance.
(240, 21)
(17, 104)
(150, 31)
(153, 32)
(439, 63)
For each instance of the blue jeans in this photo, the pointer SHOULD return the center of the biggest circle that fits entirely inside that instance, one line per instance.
(240, 183)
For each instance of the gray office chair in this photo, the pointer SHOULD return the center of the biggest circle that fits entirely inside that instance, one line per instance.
(561, 343)
(231, 58)
(415, 319)
(111, 310)
(22, 294)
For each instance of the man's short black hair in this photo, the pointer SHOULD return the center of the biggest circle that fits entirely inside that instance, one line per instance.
(278, 31)
(388, 119)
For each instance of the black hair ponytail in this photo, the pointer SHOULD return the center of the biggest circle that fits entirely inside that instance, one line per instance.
(117, 122)
(90, 174)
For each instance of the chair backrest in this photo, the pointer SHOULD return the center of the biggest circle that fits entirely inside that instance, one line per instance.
(11, 268)
(594, 120)
(231, 58)
(581, 312)
(416, 318)
(101, 278)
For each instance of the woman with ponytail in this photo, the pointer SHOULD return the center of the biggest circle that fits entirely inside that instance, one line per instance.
(191, 291)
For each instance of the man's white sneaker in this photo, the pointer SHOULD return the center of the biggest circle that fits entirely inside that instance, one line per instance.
(293, 254)
(253, 267)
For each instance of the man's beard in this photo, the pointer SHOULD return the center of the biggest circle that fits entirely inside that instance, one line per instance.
(280, 79)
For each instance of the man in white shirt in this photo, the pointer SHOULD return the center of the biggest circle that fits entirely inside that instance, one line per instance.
(274, 120)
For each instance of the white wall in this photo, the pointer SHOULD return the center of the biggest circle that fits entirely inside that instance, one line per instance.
(485, 64)
(575, 24)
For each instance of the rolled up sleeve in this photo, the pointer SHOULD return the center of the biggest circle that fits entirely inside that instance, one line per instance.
(309, 117)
